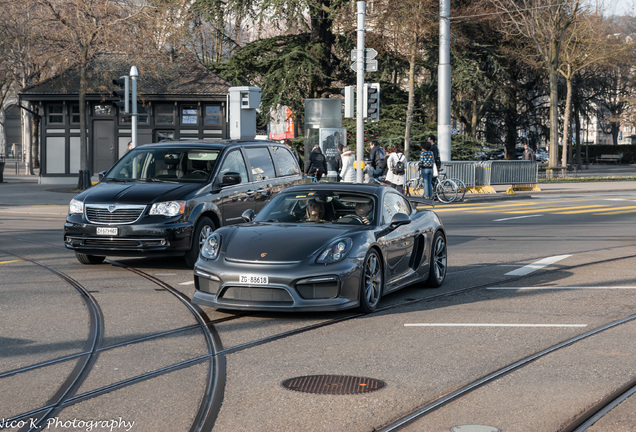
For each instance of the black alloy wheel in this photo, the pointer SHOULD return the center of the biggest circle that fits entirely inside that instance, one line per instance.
(371, 282)
(201, 232)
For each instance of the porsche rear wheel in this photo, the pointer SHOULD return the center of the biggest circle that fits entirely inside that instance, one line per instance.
(437, 262)
(371, 282)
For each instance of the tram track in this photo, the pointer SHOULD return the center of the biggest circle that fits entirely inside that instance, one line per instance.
(211, 402)
(66, 393)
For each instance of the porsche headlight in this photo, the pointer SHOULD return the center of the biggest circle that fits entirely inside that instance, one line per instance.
(168, 208)
(210, 248)
(335, 252)
(76, 207)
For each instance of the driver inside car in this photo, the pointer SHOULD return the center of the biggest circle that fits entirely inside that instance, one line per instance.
(363, 210)
(315, 211)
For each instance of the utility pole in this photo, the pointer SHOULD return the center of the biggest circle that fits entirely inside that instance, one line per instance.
(360, 67)
(444, 83)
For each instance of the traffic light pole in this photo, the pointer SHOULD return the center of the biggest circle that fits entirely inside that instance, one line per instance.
(360, 66)
(134, 73)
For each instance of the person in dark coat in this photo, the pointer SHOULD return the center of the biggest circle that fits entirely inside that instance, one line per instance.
(317, 163)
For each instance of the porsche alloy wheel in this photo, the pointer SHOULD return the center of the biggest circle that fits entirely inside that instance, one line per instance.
(371, 282)
(437, 264)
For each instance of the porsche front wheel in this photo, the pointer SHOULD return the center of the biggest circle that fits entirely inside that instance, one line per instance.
(371, 282)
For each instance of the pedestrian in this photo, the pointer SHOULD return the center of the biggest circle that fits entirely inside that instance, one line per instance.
(426, 163)
(130, 145)
(338, 162)
(528, 154)
(377, 156)
(288, 143)
(317, 163)
(347, 173)
(396, 168)
(438, 161)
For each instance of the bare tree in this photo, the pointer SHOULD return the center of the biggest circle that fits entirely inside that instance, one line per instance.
(27, 59)
(588, 41)
(81, 29)
(545, 23)
(403, 26)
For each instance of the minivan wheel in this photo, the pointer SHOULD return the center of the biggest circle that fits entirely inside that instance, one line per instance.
(89, 259)
(201, 232)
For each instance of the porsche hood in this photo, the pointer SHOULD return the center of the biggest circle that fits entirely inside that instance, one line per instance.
(270, 242)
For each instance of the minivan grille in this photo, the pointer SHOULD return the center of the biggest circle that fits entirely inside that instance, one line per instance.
(113, 214)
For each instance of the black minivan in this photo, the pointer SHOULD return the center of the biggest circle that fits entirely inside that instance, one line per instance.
(166, 198)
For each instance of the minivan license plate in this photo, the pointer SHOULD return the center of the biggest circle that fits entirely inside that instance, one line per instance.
(252, 279)
(106, 231)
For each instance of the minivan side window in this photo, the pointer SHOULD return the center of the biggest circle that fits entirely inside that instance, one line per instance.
(234, 162)
(285, 162)
(261, 163)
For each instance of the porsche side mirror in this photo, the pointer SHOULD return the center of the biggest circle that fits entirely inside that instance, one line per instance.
(400, 219)
(248, 215)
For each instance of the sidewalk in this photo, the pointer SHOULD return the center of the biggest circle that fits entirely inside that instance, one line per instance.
(23, 190)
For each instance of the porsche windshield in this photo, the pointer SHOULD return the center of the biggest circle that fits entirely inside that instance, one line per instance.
(182, 165)
(321, 207)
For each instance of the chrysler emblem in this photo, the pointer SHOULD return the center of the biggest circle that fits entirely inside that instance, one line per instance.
(264, 254)
(112, 208)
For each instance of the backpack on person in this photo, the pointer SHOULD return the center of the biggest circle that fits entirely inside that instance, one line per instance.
(427, 160)
(382, 158)
(398, 168)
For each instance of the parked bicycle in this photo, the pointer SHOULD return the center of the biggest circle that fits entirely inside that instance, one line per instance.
(446, 190)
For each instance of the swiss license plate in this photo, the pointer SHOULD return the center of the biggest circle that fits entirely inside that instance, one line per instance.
(253, 279)
(107, 231)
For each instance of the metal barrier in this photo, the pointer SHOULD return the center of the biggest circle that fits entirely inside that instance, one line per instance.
(479, 176)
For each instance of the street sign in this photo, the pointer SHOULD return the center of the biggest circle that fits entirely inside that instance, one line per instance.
(370, 65)
(369, 54)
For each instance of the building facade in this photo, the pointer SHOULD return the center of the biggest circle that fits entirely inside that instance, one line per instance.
(178, 99)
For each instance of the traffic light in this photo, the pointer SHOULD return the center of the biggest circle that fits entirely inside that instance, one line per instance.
(349, 101)
(122, 92)
(372, 102)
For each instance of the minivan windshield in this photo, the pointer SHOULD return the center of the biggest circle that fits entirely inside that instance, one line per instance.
(182, 165)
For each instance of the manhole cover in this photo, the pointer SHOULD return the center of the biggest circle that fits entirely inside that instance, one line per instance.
(333, 384)
(475, 428)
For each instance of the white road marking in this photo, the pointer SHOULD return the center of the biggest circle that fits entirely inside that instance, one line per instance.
(491, 325)
(187, 283)
(536, 265)
(563, 288)
(517, 217)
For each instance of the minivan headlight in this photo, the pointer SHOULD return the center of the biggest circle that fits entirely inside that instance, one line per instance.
(335, 252)
(210, 248)
(168, 208)
(76, 207)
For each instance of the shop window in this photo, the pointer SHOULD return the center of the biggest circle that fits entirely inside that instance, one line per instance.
(164, 114)
(104, 110)
(212, 115)
(55, 114)
(75, 114)
(189, 115)
(142, 116)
